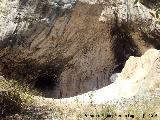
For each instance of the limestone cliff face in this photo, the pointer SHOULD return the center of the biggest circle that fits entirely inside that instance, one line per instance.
(65, 48)
(20, 18)
(139, 77)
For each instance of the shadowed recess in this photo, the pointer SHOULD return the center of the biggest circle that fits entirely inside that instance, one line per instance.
(123, 45)
(48, 84)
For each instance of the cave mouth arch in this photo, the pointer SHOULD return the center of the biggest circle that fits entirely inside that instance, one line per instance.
(46, 77)
(48, 85)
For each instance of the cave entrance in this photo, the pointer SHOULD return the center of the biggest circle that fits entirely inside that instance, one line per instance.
(47, 85)
(46, 77)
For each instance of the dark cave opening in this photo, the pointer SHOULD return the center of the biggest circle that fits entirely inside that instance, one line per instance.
(48, 85)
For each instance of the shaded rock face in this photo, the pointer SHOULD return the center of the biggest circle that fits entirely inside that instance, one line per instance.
(71, 54)
(139, 78)
(151, 3)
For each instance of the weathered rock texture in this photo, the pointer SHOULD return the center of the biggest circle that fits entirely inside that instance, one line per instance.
(139, 77)
(65, 49)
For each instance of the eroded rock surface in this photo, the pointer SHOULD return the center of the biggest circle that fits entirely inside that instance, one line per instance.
(139, 77)
(64, 48)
